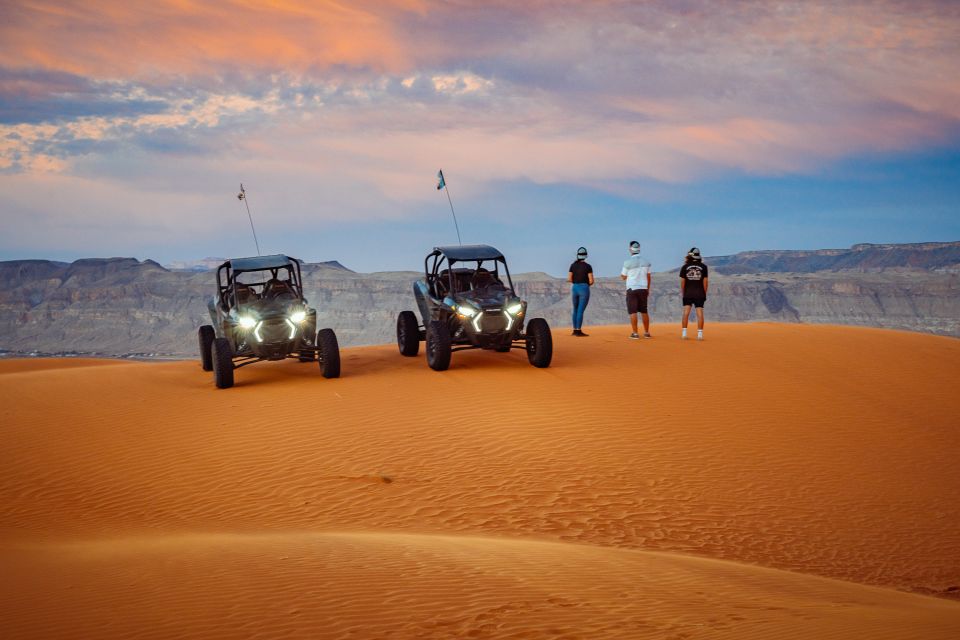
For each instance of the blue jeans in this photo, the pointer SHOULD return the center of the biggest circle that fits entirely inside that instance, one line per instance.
(581, 296)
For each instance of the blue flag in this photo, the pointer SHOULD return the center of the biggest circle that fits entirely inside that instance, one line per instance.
(441, 183)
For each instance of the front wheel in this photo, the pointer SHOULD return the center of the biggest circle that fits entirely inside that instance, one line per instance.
(408, 334)
(539, 343)
(206, 336)
(222, 355)
(438, 346)
(329, 353)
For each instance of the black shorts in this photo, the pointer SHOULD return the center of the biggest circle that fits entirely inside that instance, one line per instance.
(697, 301)
(637, 300)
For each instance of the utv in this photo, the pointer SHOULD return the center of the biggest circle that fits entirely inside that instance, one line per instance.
(465, 304)
(259, 313)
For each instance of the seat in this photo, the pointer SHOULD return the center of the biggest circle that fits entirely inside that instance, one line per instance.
(481, 279)
(440, 288)
(245, 293)
(276, 288)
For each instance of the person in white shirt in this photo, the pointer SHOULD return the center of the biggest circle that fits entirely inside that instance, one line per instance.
(636, 271)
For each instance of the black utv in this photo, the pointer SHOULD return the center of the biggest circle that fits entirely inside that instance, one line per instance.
(467, 301)
(259, 313)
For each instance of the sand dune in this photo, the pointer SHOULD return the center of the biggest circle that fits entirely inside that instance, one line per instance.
(137, 500)
(399, 585)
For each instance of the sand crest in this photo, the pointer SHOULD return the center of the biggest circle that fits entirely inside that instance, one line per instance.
(493, 499)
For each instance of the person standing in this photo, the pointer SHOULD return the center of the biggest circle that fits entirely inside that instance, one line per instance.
(693, 289)
(581, 279)
(636, 271)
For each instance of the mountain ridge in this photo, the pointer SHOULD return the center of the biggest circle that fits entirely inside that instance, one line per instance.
(125, 306)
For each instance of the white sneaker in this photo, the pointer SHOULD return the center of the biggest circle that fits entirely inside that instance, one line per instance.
(699, 335)
(634, 336)
(683, 336)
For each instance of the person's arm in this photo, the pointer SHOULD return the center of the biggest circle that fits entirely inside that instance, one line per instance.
(649, 280)
(683, 282)
(570, 277)
(623, 273)
(590, 278)
(705, 281)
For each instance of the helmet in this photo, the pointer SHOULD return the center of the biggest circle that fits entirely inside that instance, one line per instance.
(634, 247)
(694, 253)
(582, 253)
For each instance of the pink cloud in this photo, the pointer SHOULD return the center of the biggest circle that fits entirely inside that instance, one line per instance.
(586, 93)
(116, 39)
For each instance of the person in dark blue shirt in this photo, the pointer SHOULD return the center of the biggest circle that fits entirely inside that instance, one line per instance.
(581, 277)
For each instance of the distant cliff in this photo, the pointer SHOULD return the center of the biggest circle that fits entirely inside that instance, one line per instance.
(928, 256)
(122, 306)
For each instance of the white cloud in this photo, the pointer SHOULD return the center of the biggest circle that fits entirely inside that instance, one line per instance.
(460, 83)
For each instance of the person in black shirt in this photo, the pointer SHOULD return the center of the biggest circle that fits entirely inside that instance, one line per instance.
(693, 289)
(581, 276)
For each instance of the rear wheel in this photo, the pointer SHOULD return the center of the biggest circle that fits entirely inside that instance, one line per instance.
(408, 334)
(222, 355)
(438, 346)
(329, 353)
(206, 336)
(539, 343)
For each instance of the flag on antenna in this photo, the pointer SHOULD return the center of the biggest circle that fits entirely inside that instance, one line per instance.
(441, 183)
(242, 193)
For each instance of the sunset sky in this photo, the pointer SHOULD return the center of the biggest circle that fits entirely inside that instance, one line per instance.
(127, 127)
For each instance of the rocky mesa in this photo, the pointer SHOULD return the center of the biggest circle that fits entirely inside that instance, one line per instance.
(127, 307)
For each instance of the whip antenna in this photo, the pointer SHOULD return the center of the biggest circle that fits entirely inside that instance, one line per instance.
(243, 196)
(442, 184)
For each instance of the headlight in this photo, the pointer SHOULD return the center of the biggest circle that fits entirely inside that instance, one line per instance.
(467, 310)
(298, 316)
(515, 308)
(247, 322)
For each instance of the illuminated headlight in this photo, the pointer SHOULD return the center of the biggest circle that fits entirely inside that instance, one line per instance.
(298, 316)
(467, 310)
(515, 308)
(247, 322)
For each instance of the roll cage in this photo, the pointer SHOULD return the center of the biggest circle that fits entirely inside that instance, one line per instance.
(444, 279)
(280, 267)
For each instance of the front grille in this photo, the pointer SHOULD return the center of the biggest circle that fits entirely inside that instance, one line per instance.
(493, 322)
(274, 331)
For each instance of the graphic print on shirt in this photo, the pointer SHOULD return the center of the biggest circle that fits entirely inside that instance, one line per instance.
(694, 272)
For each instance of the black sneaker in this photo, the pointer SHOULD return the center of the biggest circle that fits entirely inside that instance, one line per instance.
(582, 334)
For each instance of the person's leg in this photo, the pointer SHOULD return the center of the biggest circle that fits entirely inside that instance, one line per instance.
(577, 316)
(584, 300)
(632, 308)
(644, 297)
(700, 318)
(686, 316)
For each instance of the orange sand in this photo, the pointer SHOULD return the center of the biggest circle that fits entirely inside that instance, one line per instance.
(634, 489)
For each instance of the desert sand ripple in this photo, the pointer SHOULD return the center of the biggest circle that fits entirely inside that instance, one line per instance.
(820, 450)
(349, 585)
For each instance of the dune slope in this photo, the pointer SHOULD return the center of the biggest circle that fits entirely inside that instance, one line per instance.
(821, 450)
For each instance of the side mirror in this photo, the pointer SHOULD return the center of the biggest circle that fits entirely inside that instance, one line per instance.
(450, 302)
